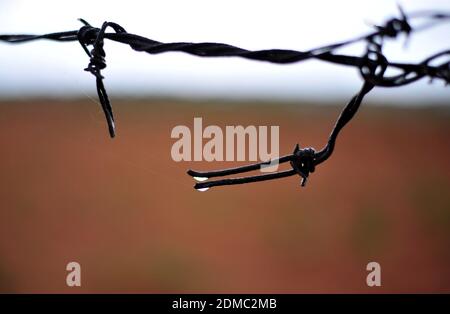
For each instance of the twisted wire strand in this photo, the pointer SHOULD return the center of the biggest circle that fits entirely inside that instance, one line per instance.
(372, 67)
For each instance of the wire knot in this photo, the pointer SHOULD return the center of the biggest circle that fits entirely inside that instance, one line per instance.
(373, 67)
(97, 61)
(304, 162)
(396, 26)
(87, 34)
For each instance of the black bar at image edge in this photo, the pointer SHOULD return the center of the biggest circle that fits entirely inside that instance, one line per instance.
(223, 303)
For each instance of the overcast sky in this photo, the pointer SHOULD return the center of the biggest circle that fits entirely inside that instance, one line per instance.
(49, 68)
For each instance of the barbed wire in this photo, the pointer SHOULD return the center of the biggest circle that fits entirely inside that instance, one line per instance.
(372, 66)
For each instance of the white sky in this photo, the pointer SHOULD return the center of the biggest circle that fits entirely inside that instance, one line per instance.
(49, 68)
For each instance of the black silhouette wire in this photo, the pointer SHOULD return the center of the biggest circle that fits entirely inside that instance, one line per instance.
(372, 67)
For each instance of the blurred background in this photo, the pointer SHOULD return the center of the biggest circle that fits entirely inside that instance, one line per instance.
(127, 212)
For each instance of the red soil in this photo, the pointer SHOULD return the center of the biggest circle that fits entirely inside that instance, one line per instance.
(129, 215)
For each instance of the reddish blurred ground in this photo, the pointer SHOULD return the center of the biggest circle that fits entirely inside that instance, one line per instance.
(128, 214)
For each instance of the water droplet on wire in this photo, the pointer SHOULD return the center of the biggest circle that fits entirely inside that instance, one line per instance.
(200, 179)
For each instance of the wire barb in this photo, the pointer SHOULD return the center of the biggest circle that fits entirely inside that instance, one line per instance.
(372, 67)
(97, 62)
